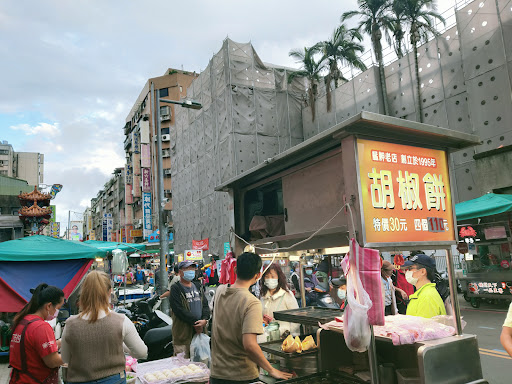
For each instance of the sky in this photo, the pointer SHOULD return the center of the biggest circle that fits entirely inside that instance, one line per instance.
(71, 70)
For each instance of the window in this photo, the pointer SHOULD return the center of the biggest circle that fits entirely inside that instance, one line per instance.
(3, 173)
(165, 131)
(4, 152)
(164, 92)
(15, 212)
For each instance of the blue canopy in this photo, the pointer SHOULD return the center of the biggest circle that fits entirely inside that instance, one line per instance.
(486, 205)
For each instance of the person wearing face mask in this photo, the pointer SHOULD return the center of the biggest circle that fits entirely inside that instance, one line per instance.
(237, 321)
(426, 301)
(190, 309)
(341, 291)
(34, 354)
(276, 296)
(93, 340)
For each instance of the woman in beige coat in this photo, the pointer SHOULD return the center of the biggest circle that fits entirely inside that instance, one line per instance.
(276, 296)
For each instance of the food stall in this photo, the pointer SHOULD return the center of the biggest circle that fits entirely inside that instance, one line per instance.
(384, 182)
(485, 239)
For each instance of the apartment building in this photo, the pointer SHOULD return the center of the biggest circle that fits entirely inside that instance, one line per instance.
(27, 166)
(141, 212)
(11, 227)
(105, 219)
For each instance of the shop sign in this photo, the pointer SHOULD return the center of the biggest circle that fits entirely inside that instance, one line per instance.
(136, 233)
(144, 131)
(406, 196)
(227, 248)
(194, 254)
(155, 237)
(54, 213)
(128, 231)
(136, 142)
(201, 244)
(486, 287)
(136, 186)
(145, 156)
(55, 229)
(128, 174)
(146, 207)
(146, 180)
(114, 236)
(495, 233)
(467, 232)
(463, 248)
(107, 226)
(123, 235)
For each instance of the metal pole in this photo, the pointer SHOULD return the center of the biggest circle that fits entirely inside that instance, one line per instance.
(372, 357)
(302, 288)
(164, 237)
(453, 291)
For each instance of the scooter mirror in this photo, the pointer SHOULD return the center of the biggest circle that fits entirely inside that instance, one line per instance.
(146, 286)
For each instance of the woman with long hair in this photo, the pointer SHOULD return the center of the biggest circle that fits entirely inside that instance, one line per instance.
(92, 342)
(34, 355)
(276, 296)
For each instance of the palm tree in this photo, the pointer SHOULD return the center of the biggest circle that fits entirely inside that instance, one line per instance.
(343, 48)
(311, 69)
(396, 24)
(374, 15)
(420, 15)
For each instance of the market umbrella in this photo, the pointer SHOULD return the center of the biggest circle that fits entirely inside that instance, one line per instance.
(27, 262)
(109, 246)
(486, 205)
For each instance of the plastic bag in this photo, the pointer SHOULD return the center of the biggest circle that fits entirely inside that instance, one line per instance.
(200, 348)
(356, 329)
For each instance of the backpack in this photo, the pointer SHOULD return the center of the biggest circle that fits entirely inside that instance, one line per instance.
(442, 286)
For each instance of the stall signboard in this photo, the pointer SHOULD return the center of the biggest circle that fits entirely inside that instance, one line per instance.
(194, 254)
(203, 245)
(146, 206)
(486, 287)
(405, 194)
(146, 180)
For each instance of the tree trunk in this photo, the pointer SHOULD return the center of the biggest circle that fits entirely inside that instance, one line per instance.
(377, 47)
(417, 71)
(328, 91)
(311, 96)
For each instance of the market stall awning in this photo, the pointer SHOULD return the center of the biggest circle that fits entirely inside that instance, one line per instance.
(43, 248)
(109, 246)
(486, 205)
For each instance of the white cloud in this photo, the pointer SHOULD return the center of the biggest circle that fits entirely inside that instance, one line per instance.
(44, 129)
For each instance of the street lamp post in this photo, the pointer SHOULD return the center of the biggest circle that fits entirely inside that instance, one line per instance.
(164, 235)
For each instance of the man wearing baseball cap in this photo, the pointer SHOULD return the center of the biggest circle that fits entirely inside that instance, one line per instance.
(426, 301)
(190, 309)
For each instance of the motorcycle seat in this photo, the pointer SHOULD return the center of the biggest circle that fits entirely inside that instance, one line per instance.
(157, 335)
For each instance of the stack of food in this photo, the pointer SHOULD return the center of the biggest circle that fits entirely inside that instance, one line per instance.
(294, 345)
(175, 373)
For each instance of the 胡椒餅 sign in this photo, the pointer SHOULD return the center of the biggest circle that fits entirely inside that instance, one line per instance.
(406, 196)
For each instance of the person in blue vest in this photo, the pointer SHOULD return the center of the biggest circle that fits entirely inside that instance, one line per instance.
(140, 277)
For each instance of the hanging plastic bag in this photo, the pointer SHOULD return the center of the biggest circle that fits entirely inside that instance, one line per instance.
(200, 348)
(356, 329)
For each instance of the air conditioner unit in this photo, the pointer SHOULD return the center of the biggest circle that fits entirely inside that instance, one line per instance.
(165, 117)
(166, 137)
(166, 110)
(145, 117)
(167, 191)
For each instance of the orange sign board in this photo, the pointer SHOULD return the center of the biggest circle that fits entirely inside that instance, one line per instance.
(406, 196)
(136, 233)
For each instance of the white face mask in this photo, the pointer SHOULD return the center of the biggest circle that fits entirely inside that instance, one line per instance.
(51, 317)
(271, 283)
(342, 294)
(410, 279)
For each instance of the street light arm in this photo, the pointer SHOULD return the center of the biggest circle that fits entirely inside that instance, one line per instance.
(185, 103)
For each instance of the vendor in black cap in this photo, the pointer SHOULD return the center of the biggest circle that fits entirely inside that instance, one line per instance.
(190, 309)
(420, 271)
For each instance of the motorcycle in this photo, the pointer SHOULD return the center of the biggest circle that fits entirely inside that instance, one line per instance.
(324, 300)
(154, 326)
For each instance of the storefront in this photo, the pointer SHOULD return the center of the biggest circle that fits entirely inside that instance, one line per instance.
(485, 243)
(384, 182)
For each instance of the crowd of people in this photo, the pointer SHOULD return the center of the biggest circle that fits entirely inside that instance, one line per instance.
(94, 342)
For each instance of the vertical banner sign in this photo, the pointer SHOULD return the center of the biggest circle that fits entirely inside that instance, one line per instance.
(129, 174)
(128, 233)
(148, 225)
(145, 156)
(54, 213)
(406, 196)
(110, 227)
(146, 180)
(144, 131)
(136, 186)
(136, 142)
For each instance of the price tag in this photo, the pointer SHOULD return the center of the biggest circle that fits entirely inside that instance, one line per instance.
(435, 224)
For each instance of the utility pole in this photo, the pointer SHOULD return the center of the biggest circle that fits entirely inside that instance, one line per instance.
(164, 238)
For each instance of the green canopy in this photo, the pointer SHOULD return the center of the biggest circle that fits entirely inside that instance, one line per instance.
(42, 248)
(109, 246)
(486, 205)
